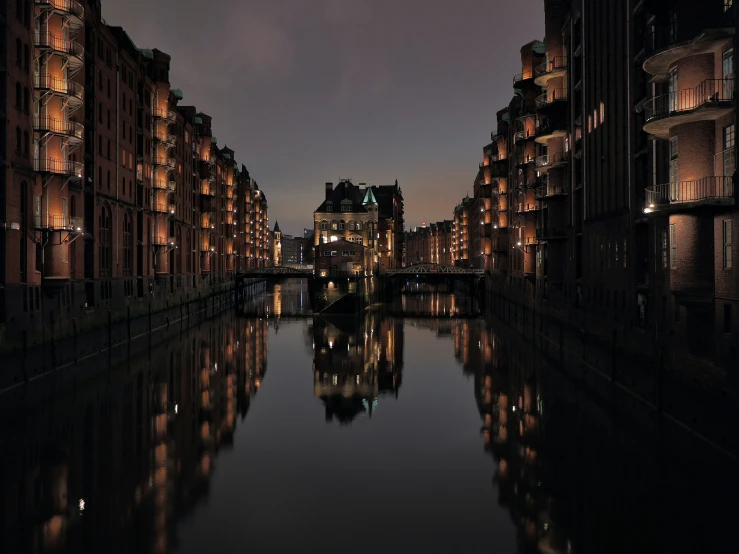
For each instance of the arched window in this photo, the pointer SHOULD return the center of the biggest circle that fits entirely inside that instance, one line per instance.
(18, 95)
(18, 52)
(351, 225)
(26, 100)
(324, 225)
(342, 225)
(334, 225)
(359, 225)
(18, 140)
(127, 244)
(104, 230)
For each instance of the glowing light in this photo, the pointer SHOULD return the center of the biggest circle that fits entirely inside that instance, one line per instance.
(176, 408)
(82, 505)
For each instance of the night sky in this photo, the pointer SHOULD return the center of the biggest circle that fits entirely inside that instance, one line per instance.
(308, 91)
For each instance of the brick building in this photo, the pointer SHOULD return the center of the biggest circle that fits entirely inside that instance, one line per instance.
(418, 245)
(341, 258)
(113, 191)
(432, 244)
(608, 187)
(370, 216)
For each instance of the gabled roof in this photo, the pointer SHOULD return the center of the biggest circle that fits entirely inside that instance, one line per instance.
(277, 227)
(345, 190)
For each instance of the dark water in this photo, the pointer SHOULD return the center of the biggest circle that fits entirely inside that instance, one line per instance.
(373, 434)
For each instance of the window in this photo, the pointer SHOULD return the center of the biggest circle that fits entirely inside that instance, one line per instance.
(108, 180)
(673, 246)
(105, 241)
(109, 120)
(674, 171)
(329, 206)
(664, 249)
(108, 148)
(100, 176)
(100, 80)
(108, 86)
(346, 207)
(26, 100)
(26, 143)
(334, 225)
(123, 185)
(100, 113)
(729, 153)
(341, 225)
(727, 319)
(672, 91)
(728, 263)
(727, 74)
(673, 25)
(127, 244)
(26, 58)
(18, 96)
(19, 9)
(18, 140)
(359, 225)
(728, 4)
(27, 14)
(18, 52)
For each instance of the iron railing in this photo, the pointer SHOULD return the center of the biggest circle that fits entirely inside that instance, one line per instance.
(59, 127)
(58, 167)
(162, 161)
(164, 185)
(72, 7)
(58, 222)
(165, 115)
(556, 63)
(549, 190)
(58, 85)
(164, 207)
(163, 241)
(49, 41)
(548, 160)
(681, 192)
(710, 92)
(551, 96)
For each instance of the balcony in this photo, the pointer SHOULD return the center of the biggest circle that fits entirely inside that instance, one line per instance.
(68, 48)
(549, 191)
(550, 69)
(551, 232)
(167, 140)
(550, 161)
(73, 92)
(707, 101)
(163, 241)
(527, 207)
(164, 207)
(53, 166)
(165, 185)
(558, 95)
(207, 190)
(520, 136)
(71, 9)
(207, 221)
(708, 191)
(169, 116)
(519, 78)
(161, 161)
(68, 129)
(663, 50)
(58, 223)
(525, 159)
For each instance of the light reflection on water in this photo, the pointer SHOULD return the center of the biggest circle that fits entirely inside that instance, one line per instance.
(359, 434)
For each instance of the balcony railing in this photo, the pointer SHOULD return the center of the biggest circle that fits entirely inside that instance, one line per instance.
(49, 41)
(523, 135)
(58, 223)
(545, 191)
(57, 85)
(71, 7)
(207, 190)
(711, 92)
(161, 161)
(164, 115)
(550, 160)
(58, 127)
(168, 140)
(163, 241)
(168, 185)
(551, 96)
(58, 167)
(707, 189)
(550, 66)
(164, 207)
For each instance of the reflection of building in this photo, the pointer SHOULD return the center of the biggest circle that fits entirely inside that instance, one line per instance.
(156, 425)
(353, 363)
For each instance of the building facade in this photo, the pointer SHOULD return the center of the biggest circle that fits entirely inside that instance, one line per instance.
(608, 187)
(113, 191)
(366, 215)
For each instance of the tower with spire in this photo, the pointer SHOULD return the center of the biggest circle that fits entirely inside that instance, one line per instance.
(277, 245)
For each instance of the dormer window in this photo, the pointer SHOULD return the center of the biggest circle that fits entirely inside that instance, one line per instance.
(329, 206)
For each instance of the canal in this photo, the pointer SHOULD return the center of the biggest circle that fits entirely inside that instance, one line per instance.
(274, 431)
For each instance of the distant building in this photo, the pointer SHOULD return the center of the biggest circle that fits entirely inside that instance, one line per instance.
(341, 258)
(277, 245)
(370, 216)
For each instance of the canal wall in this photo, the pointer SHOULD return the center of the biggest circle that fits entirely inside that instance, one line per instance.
(603, 357)
(117, 335)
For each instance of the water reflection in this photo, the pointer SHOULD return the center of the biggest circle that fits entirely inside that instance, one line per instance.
(354, 362)
(115, 461)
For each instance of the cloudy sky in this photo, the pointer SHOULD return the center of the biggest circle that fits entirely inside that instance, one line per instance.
(308, 91)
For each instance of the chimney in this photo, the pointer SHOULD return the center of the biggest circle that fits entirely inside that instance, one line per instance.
(329, 189)
(362, 186)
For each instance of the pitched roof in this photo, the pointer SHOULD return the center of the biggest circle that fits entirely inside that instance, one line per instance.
(277, 227)
(369, 198)
(345, 190)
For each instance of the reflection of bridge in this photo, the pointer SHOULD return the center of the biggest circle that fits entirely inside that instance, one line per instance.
(278, 272)
(435, 270)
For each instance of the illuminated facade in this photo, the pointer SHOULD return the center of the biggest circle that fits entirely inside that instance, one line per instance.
(113, 192)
